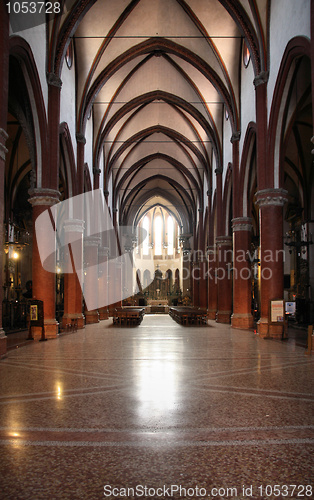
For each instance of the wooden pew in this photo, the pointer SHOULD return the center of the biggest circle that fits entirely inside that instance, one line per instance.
(128, 315)
(189, 315)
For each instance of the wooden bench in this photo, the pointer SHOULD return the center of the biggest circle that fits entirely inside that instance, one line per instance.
(128, 316)
(189, 315)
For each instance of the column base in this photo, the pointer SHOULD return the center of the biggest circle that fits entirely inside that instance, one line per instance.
(78, 319)
(211, 313)
(103, 313)
(262, 328)
(223, 317)
(50, 329)
(3, 344)
(91, 317)
(243, 321)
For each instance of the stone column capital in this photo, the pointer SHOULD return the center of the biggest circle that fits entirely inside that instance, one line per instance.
(261, 78)
(271, 196)
(54, 80)
(80, 138)
(43, 196)
(92, 241)
(74, 226)
(242, 224)
(218, 170)
(224, 241)
(235, 137)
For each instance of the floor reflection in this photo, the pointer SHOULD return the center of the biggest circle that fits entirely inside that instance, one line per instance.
(157, 379)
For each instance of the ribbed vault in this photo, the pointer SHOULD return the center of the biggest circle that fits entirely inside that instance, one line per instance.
(156, 78)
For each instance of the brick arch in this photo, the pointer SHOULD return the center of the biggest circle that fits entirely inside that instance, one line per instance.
(21, 50)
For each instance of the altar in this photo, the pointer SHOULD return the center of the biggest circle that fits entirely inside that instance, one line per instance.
(158, 306)
(156, 302)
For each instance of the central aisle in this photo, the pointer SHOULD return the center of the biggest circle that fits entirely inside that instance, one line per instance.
(157, 405)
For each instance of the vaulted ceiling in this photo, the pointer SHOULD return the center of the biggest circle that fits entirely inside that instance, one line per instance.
(157, 77)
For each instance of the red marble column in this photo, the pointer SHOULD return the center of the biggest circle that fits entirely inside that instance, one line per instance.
(91, 244)
(127, 272)
(242, 273)
(4, 79)
(118, 283)
(115, 267)
(224, 278)
(202, 264)
(186, 266)
(103, 284)
(44, 282)
(212, 282)
(73, 277)
(271, 203)
(80, 142)
(203, 288)
(196, 276)
(115, 285)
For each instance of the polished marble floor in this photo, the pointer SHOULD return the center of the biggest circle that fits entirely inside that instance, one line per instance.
(159, 410)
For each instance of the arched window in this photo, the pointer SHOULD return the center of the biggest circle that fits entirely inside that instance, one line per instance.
(170, 229)
(158, 235)
(146, 241)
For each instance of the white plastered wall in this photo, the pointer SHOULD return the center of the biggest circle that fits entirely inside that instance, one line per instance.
(36, 38)
(248, 114)
(288, 19)
(227, 149)
(89, 147)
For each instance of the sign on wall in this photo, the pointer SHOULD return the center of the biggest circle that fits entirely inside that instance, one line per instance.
(277, 311)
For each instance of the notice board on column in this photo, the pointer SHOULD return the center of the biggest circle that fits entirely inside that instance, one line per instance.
(277, 311)
(36, 313)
